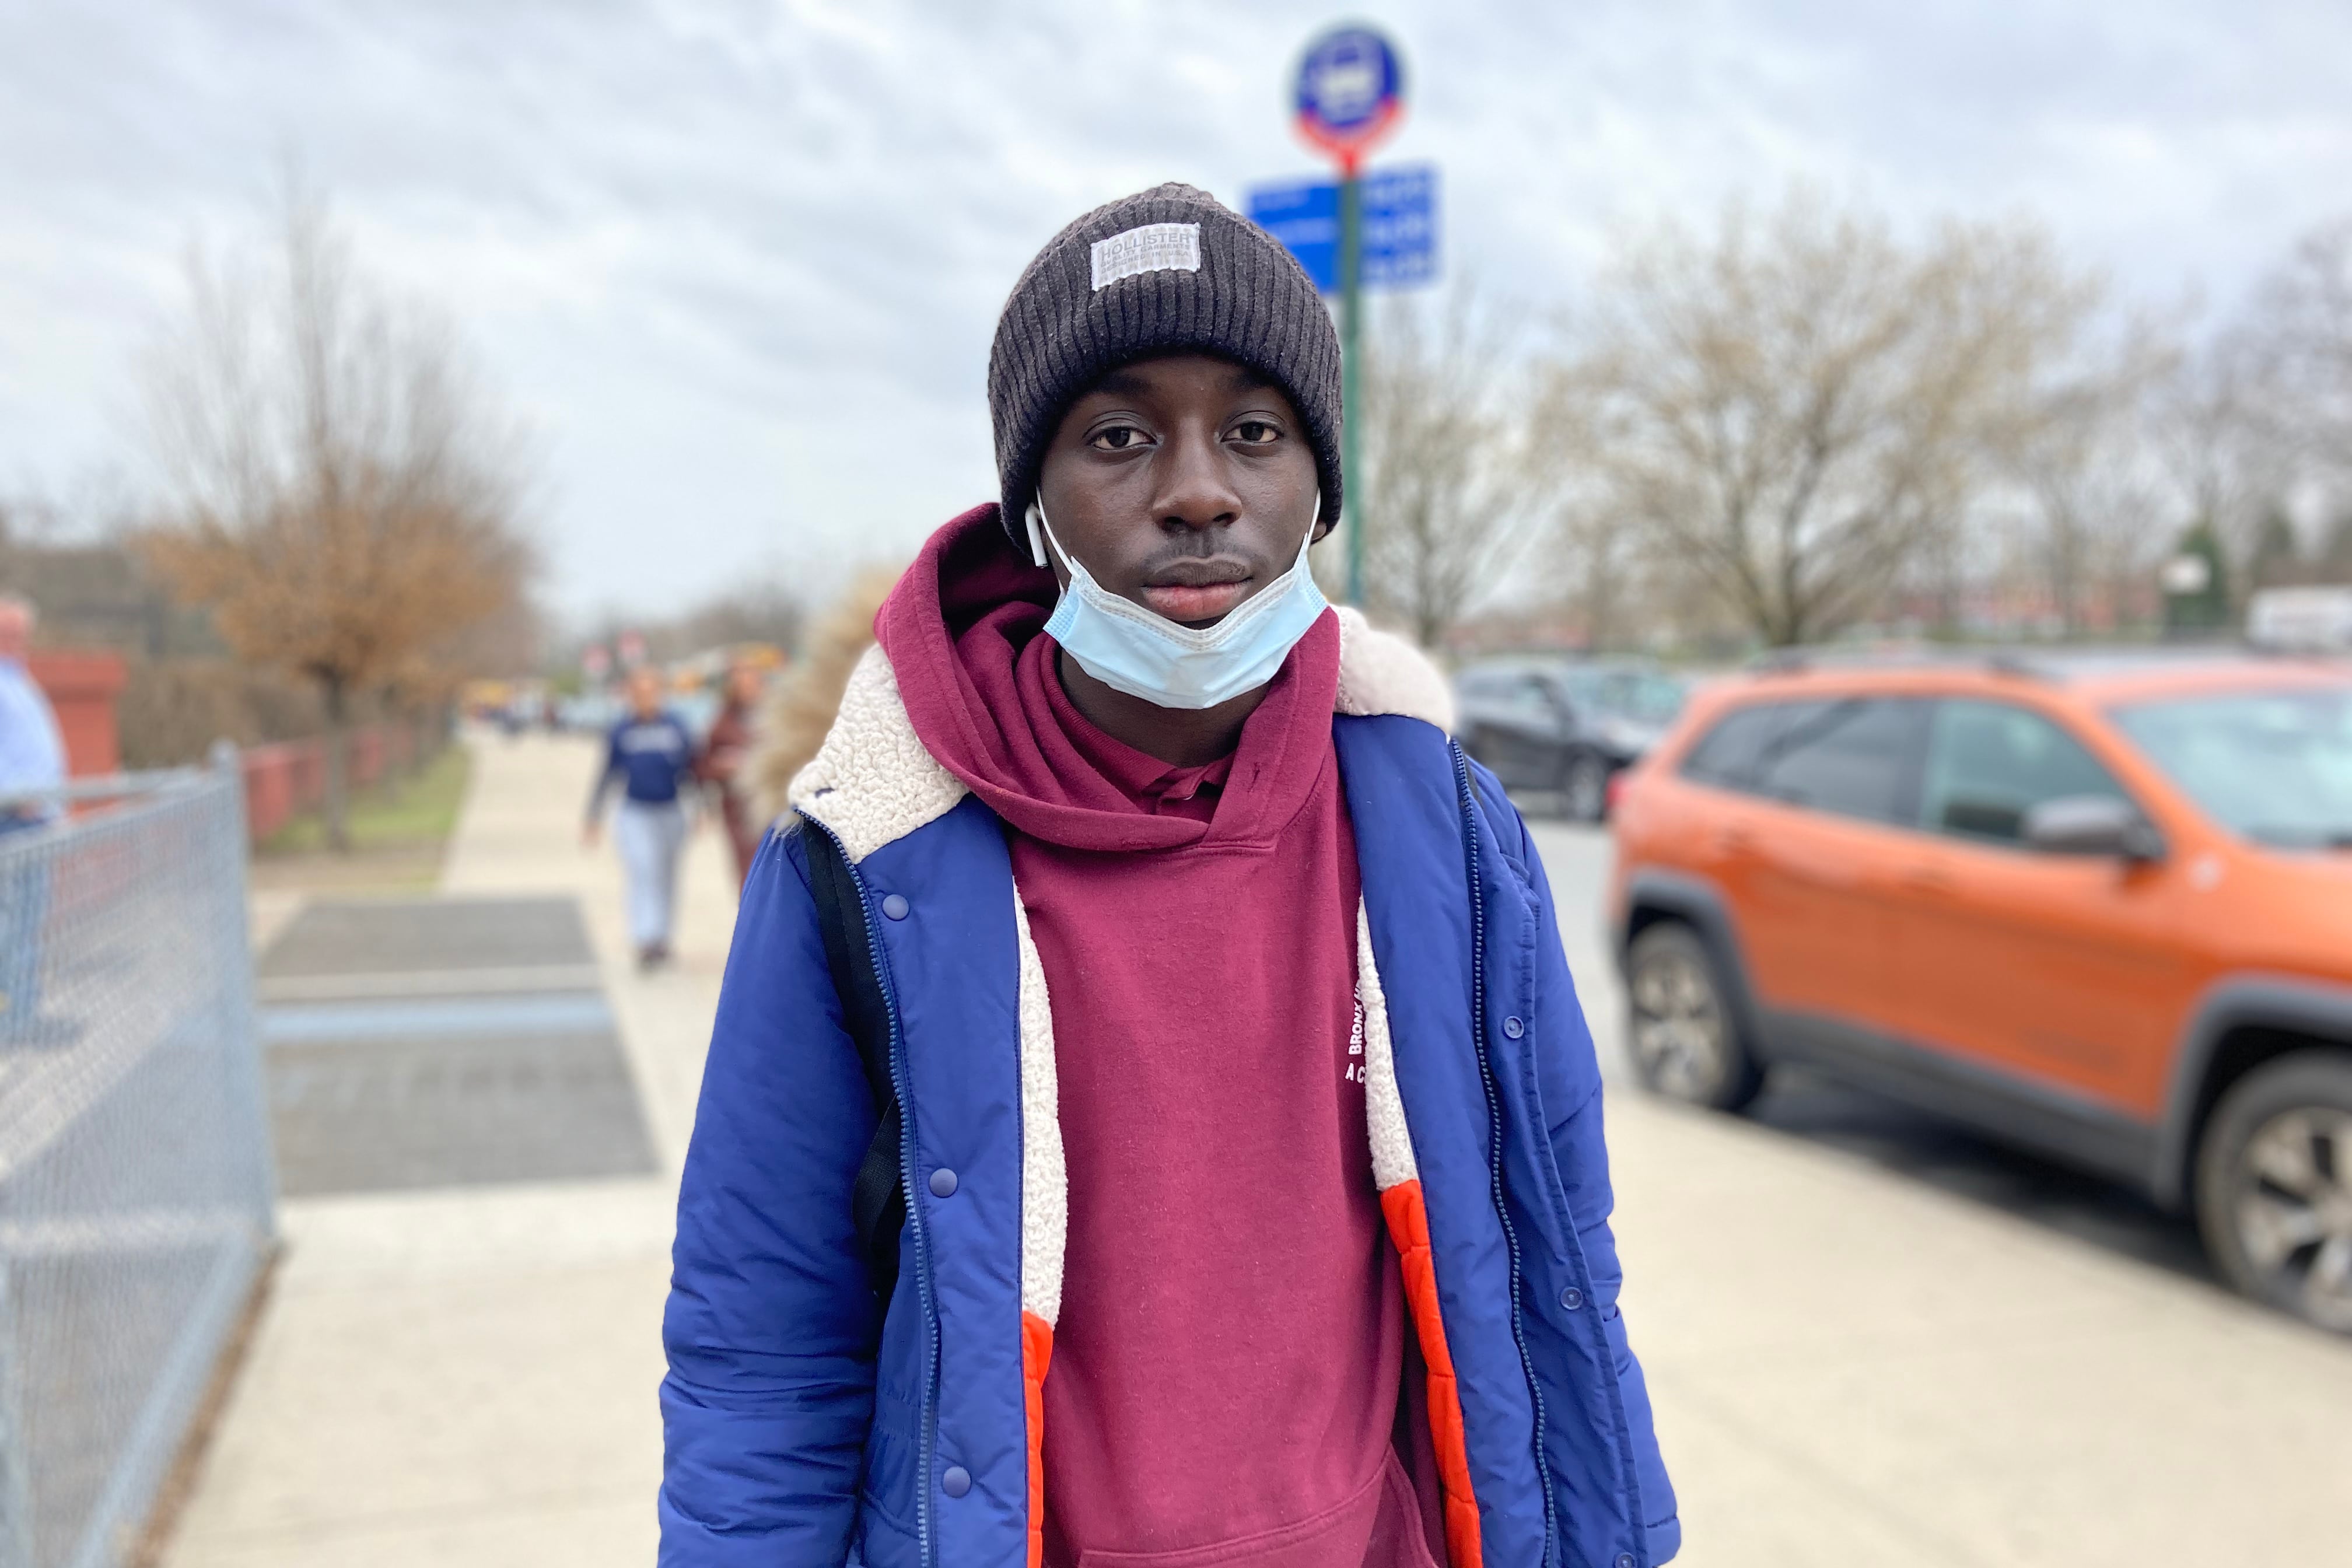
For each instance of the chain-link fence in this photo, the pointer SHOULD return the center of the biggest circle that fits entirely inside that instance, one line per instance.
(136, 1188)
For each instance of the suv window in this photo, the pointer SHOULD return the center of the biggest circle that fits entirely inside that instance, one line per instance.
(1725, 755)
(1532, 703)
(1989, 764)
(1854, 756)
(1508, 695)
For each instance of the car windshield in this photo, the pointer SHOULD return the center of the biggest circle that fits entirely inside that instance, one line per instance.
(2276, 766)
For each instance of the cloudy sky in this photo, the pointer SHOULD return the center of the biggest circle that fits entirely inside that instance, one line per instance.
(737, 264)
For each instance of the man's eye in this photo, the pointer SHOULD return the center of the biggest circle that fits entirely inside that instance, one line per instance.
(1118, 439)
(1256, 432)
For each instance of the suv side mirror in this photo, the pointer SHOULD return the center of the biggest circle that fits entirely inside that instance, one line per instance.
(2092, 825)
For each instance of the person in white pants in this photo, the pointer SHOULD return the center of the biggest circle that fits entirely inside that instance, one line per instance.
(650, 756)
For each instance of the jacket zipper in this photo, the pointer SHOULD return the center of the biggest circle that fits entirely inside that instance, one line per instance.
(902, 1086)
(1494, 1127)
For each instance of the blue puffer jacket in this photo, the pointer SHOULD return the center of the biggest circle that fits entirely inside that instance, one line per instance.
(801, 1430)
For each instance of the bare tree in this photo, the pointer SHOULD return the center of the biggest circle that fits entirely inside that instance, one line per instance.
(1445, 481)
(341, 493)
(1602, 570)
(2097, 518)
(1794, 408)
(2219, 429)
(2301, 333)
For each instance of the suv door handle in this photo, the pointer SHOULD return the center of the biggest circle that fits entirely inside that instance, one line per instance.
(1925, 880)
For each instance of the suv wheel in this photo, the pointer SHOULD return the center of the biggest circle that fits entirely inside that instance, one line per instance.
(1685, 1043)
(1584, 785)
(2275, 1187)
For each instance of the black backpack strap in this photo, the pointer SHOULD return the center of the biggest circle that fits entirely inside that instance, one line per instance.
(877, 1201)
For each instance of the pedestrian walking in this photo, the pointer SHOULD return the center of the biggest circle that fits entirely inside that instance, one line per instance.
(32, 767)
(649, 756)
(1149, 1119)
(720, 765)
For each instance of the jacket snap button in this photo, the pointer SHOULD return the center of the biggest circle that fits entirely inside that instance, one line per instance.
(895, 907)
(1572, 1298)
(943, 1183)
(1513, 1029)
(1625, 1560)
(958, 1481)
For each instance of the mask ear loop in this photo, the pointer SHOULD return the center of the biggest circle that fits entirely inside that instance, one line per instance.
(1036, 538)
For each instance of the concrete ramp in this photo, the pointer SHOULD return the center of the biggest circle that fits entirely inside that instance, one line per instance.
(416, 1043)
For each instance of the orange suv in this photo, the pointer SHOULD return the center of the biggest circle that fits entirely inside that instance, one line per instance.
(2096, 903)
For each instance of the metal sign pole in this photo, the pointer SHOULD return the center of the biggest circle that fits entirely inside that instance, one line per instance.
(1349, 92)
(1351, 305)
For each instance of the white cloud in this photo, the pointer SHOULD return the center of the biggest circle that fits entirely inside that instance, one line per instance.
(740, 263)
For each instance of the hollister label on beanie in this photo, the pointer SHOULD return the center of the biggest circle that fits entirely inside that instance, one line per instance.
(1154, 247)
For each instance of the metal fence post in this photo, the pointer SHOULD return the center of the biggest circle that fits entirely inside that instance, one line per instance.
(16, 1447)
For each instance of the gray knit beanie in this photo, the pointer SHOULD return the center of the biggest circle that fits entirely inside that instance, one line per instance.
(1167, 270)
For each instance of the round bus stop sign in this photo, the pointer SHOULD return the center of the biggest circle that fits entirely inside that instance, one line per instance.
(1350, 92)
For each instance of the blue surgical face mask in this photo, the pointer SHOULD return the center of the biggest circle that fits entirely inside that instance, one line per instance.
(1144, 654)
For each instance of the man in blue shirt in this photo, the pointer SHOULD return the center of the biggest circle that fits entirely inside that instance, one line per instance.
(650, 756)
(32, 763)
(32, 755)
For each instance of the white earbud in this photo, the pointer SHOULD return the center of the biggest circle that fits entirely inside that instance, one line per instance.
(1036, 534)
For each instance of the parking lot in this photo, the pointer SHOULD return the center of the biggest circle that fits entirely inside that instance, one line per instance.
(1872, 1338)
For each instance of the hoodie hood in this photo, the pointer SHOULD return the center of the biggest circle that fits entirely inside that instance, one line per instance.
(964, 630)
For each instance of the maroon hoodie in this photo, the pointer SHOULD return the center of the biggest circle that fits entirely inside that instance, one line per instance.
(1223, 1387)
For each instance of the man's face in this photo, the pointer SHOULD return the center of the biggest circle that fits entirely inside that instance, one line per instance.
(15, 630)
(645, 693)
(1183, 483)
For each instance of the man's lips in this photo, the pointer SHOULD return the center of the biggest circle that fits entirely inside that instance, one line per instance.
(1201, 588)
(1189, 602)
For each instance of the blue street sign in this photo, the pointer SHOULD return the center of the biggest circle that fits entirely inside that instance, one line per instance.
(1400, 226)
(1350, 89)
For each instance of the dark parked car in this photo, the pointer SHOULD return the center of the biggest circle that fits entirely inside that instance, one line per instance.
(1549, 723)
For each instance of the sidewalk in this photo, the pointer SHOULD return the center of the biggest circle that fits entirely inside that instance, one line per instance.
(466, 1376)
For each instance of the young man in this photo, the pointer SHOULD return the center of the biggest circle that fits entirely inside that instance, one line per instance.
(649, 754)
(1227, 1064)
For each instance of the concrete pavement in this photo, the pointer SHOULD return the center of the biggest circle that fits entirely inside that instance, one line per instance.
(1851, 1365)
(466, 1375)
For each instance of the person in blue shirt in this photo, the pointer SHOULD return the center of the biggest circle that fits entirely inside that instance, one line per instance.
(32, 766)
(650, 756)
(32, 755)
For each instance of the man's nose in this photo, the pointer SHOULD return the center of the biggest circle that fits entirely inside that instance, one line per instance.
(1195, 492)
